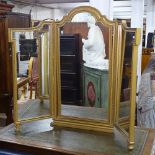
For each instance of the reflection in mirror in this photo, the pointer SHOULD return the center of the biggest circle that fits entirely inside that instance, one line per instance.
(125, 95)
(32, 50)
(43, 36)
(84, 65)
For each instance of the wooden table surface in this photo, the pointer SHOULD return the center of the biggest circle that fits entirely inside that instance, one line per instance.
(40, 138)
(22, 81)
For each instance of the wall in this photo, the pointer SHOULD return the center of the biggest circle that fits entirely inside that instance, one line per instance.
(37, 13)
(104, 6)
(123, 9)
(59, 13)
(52, 11)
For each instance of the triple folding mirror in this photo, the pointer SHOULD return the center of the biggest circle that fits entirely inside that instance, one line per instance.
(78, 70)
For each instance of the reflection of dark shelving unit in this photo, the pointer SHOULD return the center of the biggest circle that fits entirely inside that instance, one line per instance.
(126, 79)
(70, 69)
(28, 48)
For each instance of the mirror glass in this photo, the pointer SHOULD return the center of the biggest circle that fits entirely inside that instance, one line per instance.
(44, 45)
(32, 68)
(84, 67)
(128, 37)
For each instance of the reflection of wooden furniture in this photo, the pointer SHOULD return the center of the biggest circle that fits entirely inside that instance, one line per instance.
(127, 61)
(95, 83)
(70, 69)
(33, 75)
(17, 58)
(8, 20)
(22, 83)
(28, 48)
(81, 28)
(5, 7)
(39, 138)
(146, 55)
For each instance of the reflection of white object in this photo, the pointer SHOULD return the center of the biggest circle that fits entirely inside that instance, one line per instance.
(17, 41)
(94, 47)
(23, 66)
(80, 17)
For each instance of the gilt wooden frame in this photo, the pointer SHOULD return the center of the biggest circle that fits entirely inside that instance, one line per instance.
(128, 121)
(18, 121)
(83, 123)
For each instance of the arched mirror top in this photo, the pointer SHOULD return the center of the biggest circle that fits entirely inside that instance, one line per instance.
(85, 10)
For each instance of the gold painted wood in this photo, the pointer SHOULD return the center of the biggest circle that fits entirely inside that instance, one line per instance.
(116, 58)
(133, 88)
(84, 123)
(117, 38)
(38, 28)
(126, 125)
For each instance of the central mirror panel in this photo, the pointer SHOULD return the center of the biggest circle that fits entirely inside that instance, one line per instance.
(84, 67)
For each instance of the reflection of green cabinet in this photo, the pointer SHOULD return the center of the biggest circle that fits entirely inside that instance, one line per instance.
(95, 87)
